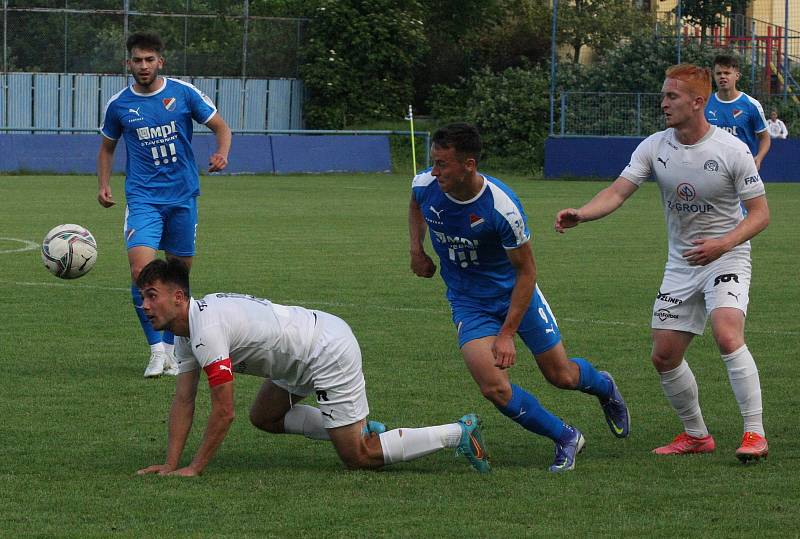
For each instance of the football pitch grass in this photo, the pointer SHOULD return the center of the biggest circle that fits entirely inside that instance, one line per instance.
(79, 419)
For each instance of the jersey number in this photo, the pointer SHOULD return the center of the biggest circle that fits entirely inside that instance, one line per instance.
(164, 154)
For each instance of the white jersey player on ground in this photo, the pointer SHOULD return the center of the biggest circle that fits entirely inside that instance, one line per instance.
(298, 351)
(703, 173)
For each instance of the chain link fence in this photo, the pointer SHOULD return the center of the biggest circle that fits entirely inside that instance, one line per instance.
(236, 38)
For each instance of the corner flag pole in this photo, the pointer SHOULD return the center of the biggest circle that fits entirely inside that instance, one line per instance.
(410, 118)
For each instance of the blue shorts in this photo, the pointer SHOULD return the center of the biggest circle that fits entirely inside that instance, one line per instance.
(483, 317)
(171, 228)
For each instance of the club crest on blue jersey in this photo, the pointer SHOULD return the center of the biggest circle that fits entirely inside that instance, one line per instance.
(169, 103)
(475, 220)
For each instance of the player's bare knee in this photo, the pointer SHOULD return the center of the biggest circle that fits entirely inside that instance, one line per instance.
(265, 423)
(664, 362)
(729, 342)
(498, 394)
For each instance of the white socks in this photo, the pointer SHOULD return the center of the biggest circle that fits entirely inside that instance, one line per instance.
(680, 388)
(305, 420)
(743, 375)
(402, 445)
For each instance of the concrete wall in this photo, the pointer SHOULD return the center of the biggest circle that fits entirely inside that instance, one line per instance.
(605, 157)
(256, 154)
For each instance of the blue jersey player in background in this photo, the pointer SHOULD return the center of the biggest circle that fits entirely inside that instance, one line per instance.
(735, 111)
(479, 230)
(154, 116)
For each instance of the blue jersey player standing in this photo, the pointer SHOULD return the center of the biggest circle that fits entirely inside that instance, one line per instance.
(154, 117)
(479, 230)
(735, 111)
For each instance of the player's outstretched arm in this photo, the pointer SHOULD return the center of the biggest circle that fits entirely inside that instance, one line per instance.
(181, 415)
(421, 264)
(219, 159)
(105, 160)
(603, 203)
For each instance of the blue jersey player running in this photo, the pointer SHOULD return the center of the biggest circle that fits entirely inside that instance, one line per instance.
(154, 117)
(479, 230)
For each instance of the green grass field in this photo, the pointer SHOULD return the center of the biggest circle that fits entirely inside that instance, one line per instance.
(79, 419)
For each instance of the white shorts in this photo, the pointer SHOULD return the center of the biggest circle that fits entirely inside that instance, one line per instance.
(688, 295)
(336, 375)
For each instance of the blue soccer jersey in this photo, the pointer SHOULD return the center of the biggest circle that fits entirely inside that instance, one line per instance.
(471, 237)
(157, 128)
(743, 117)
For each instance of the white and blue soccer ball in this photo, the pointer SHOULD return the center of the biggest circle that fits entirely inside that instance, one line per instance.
(69, 251)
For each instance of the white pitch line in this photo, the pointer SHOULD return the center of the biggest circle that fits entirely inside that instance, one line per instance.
(310, 303)
(27, 246)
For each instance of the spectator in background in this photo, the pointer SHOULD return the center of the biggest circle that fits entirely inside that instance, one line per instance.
(776, 128)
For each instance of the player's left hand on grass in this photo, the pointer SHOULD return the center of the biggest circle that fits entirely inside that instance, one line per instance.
(705, 251)
(160, 469)
(505, 354)
(217, 162)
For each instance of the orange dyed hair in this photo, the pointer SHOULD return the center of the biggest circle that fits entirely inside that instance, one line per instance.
(697, 79)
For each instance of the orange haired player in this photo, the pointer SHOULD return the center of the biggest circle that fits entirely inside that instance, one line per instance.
(703, 173)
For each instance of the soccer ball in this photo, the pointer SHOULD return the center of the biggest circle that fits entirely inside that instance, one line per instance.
(69, 251)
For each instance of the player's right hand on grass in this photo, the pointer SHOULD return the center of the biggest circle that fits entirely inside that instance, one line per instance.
(567, 218)
(105, 198)
(422, 265)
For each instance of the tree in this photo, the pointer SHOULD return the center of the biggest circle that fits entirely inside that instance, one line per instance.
(709, 13)
(360, 60)
(599, 24)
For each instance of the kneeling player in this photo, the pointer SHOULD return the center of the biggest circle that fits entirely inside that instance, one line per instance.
(298, 351)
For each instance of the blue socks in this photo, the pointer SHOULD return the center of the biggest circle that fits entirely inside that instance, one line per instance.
(526, 410)
(153, 336)
(591, 381)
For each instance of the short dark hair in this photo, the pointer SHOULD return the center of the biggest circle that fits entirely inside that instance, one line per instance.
(148, 41)
(462, 137)
(171, 271)
(726, 60)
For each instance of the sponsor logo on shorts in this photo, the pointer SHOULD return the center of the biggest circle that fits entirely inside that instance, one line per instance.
(322, 396)
(664, 314)
(669, 299)
(327, 414)
(736, 296)
(726, 278)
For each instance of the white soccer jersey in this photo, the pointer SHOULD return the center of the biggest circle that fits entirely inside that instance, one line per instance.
(701, 186)
(260, 337)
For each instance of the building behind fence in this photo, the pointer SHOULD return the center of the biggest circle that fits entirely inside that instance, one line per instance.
(63, 59)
